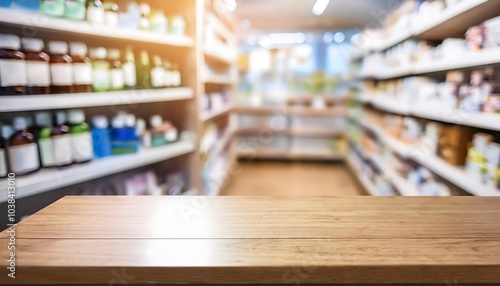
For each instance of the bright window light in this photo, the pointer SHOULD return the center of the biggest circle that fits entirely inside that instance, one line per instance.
(320, 7)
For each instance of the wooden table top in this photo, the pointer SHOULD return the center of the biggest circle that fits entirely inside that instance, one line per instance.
(277, 240)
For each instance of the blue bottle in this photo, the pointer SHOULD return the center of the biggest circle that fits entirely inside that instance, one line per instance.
(31, 5)
(101, 137)
(124, 139)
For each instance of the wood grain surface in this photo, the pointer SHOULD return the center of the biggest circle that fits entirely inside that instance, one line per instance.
(260, 240)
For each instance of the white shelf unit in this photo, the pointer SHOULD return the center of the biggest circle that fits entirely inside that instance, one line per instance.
(452, 22)
(52, 179)
(218, 55)
(367, 185)
(91, 99)
(211, 114)
(431, 111)
(40, 21)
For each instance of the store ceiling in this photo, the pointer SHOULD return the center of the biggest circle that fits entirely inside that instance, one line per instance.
(286, 15)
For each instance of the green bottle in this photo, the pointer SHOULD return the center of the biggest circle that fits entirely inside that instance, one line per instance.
(52, 8)
(143, 71)
(81, 137)
(101, 69)
(43, 122)
(75, 9)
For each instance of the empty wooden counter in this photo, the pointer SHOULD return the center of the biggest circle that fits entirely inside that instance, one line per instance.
(259, 240)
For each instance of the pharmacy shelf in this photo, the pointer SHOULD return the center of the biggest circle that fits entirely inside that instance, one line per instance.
(224, 142)
(465, 61)
(452, 22)
(283, 110)
(457, 176)
(219, 55)
(489, 121)
(219, 79)
(453, 174)
(211, 114)
(38, 22)
(367, 185)
(75, 100)
(218, 27)
(288, 155)
(52, 179)
(291, 132)
(432, 111)
(403, 187)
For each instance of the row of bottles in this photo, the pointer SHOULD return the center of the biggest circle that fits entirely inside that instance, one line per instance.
(65, 138)
(26, 69)
(107, 13)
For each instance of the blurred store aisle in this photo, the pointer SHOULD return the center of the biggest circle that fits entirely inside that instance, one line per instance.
(292, 179)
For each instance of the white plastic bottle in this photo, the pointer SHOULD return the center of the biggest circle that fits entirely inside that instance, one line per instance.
(81, 137)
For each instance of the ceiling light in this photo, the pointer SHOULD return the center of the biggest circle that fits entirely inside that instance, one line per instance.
(320, 7)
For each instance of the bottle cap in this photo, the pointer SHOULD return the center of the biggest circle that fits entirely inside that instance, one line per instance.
(100, 122)
(118, 122)
(61, 117)
(20, 123)
(78, 49)
(10, 42)
(43, 119)
(114, 54)
(32, 44)
(156, 121)
(130, 120)
(7, 131)
(58, 48)
(98, 53)
(76, 116)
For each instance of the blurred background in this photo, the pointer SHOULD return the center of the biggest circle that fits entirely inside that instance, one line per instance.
(248, 97)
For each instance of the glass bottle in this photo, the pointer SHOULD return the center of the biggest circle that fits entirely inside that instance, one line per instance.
(13, 72)
(143, 71)
(95, 12)
(111, 16)
(61, 141)
(117, 73)
(101, 70)
(23, 150)
(82, 67)
(3, 156)
(144, 23)
(61, 68)
(43, 121)
(176, 76)
(37, 66)
(157, 73)
(52, 8)
(75, 9)
(81, 137)
(129, 70)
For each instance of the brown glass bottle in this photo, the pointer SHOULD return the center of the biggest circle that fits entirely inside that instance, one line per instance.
(61, 68)
(37, 65)
(13, 76)
(82, 67)
(23, 150)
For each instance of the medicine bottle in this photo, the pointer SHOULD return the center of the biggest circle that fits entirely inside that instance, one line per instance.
(81, 137)
(61, 68)
(43, 122)
(95, 12)
(23, 150)
(61, 141)
(117, 74)
(129, 70)
(3, 156)
(38, 66)
(143, 71)
(82, 67)
(13, 73)
(157, 73)
(101, 137)
(101, 80)
(75, 9)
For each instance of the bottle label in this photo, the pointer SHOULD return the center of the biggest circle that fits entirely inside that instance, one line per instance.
(95, 15)
(38, 73)
(62, 74)
(177, 81)
(3, 163)
(130, 74)
(46, 152)
(117, 79)
(13, 73)
(101, 79)
(63, 154)
(81, 145)
(83, 73)
(24, 158)
(157, 76)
